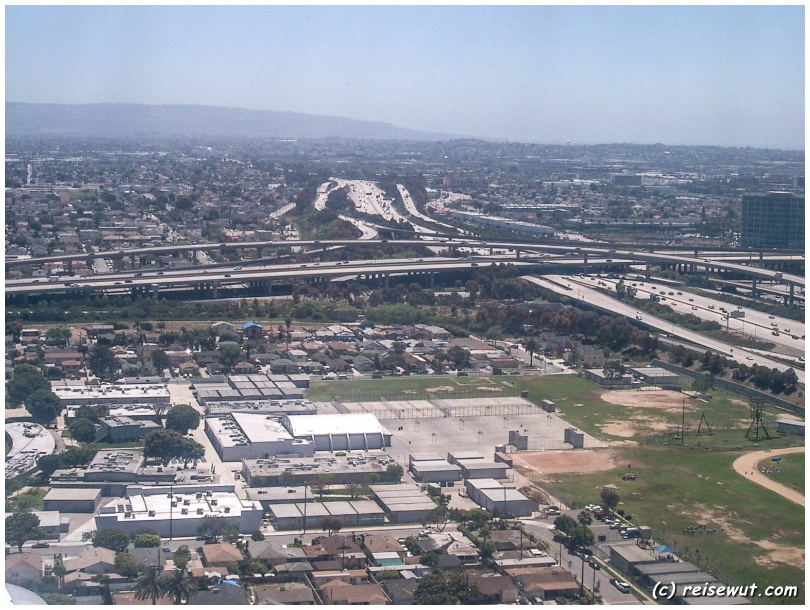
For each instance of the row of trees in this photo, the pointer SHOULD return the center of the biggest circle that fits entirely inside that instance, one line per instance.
(30, 388)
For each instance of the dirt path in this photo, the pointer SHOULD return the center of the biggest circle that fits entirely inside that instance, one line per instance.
(746, 465)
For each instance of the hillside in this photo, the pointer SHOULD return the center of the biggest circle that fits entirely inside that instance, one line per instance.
(138, 120)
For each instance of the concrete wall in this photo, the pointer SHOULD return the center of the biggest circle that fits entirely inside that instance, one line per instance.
(736, 388)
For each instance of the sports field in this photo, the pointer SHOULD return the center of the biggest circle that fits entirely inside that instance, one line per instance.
(682, 480)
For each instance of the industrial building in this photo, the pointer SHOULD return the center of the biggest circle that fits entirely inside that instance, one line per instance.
(483, 469)
(66, 500)
(240, 435)
(28, 443)
(403, 503)
(112, 394)
(490, 495)
(357, 513)
(277, 408)
(339, 432)
(112, 470)
(288, 470)
(790, 426)
(122, 429)
(254, 387)
(179, 510)
(433, 469)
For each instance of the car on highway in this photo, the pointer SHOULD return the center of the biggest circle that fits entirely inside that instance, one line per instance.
(40, 545)
(749, 357)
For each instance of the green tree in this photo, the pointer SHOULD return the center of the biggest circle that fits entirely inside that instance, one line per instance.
(21, 527)
(25, 383)
(610, 498)
(330, 525)
(182, 556)
(182, 418)
(531, 347)
(459, 356)
(179, 586)
(191, 450)
(82, 430)
(44, 406)
(584, 517)
(112, 538)
(229, 355)
(146, 541)
(58, 336)
(444, 589)
(103, 363)
(59, 570)
(565, 524)
(149, 586)
(214, 527)
(168, 444)
(161, 361)
(125, 565)
(580, 537)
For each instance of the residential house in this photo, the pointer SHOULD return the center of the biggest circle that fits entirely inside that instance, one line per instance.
(400, 592)
(494, 589)
(452, 544)
(222, 327)
(252, 331)
(341, 594)
(289, 594)
(363, 364)
(95, 560)
(546, 583)
(22, 566)
(220, 554)
(283, 366)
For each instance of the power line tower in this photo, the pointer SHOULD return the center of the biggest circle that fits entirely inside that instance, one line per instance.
(700, 425)
(756, 422)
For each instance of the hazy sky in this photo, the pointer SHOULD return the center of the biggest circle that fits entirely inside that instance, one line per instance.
(731, 76)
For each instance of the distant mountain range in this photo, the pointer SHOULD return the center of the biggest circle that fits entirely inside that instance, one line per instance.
(140, 120)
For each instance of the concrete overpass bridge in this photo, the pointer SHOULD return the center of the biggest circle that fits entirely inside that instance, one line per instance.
(261, 272)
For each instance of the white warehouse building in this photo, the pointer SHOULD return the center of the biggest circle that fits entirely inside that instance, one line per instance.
(339, 432)
(177, 511)
(237, 436)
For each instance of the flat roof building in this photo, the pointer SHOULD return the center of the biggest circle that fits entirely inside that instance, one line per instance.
(339, 432)
(403, 503)
(110, 394)
(490, 495)
(66, 500)
(288, 470)
(178, 511)
(351, 514)
(239, 435)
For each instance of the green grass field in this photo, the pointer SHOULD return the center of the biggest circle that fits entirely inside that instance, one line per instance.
(758, 531)
(791, 470)
(760, 536)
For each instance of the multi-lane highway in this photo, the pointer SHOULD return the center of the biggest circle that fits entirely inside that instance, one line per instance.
(579, 290)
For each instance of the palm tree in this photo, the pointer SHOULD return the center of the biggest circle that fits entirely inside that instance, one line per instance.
(149, 586)
(180, 586)
(531, 347)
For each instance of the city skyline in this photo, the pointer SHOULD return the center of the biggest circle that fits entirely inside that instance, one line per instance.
(697, 75)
